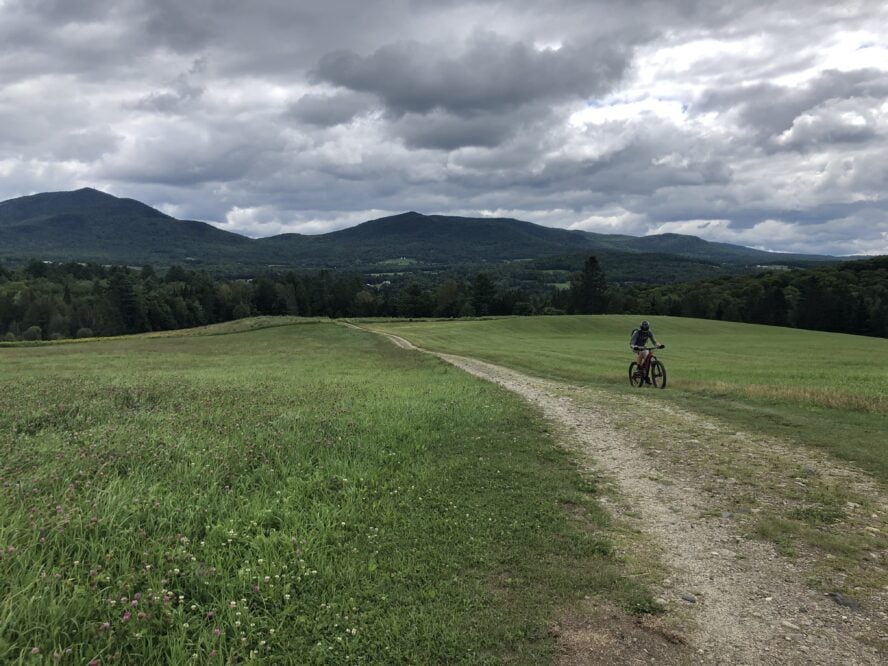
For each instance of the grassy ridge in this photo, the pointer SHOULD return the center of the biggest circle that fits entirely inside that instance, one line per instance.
(304, 492)
(820, 389)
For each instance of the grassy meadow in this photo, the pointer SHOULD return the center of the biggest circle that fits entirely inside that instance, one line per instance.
(819, 389)
(303, 493)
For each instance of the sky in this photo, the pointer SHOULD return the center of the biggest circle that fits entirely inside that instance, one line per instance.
(762, 123)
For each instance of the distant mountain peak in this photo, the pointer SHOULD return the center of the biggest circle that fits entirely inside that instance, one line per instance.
(86, 201)
(409, 216)
(88, 224)
(89, 194)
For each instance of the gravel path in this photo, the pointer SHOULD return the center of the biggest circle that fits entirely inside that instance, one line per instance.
(738, 600)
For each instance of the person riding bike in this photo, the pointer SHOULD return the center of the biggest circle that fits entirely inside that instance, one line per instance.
(638, 343)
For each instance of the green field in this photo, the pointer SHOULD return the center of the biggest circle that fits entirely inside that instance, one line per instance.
(288, 489)
(818, 389)
(299, 493)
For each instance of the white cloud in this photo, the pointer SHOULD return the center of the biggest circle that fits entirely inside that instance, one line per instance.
(260, 221)
(860, 49)
(851, 235)
(834, 122)
(618, 221)
(624, 111)
(254, 221)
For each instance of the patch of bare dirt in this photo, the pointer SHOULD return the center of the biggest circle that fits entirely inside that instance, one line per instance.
(593, 633)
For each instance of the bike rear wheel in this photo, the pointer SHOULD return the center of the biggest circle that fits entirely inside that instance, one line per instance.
(635, 377)
(658, 374)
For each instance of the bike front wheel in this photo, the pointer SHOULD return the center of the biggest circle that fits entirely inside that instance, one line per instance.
(658, 374)
(635, 377)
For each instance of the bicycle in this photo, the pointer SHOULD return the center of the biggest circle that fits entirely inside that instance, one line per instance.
(652, 365)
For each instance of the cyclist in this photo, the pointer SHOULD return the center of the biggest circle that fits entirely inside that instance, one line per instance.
(638, 341)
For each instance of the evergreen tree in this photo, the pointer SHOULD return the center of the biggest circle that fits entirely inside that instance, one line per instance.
(448, 300)
(266, 299)
(588, 289)
(128, 302)
(414, 302)
(483, 294)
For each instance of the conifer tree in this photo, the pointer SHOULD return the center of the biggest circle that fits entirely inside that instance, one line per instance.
(588, 289)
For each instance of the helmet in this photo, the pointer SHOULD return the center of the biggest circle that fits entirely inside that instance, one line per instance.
(645, 325)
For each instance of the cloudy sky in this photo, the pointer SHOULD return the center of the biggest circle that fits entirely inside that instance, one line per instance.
(763, 123)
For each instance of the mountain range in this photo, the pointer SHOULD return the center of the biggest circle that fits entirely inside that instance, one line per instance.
(91, 226)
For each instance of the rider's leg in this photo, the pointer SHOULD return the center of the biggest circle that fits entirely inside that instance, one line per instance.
(645, 365)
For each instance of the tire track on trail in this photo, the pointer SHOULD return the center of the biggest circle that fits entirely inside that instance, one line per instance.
(739, 601)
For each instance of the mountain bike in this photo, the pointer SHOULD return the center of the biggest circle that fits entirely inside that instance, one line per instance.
(652, 368)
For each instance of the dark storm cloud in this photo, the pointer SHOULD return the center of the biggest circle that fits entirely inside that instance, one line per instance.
(88, 40)
(186, 27)
(329, 110)
(61, 11)
(810, 216)
(440, 130)
(739, 216)
(642, 166)
(493, 74)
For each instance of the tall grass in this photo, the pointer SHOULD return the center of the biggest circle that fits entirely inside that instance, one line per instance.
(298, 494)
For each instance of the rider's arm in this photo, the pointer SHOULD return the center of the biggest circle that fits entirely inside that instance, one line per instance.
(653, 339)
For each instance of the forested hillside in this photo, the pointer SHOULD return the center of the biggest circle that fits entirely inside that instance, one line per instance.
(94, 227)
(851, 297)
(52, 301)
(88, 225)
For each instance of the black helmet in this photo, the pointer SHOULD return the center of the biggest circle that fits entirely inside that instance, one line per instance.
(645, 325)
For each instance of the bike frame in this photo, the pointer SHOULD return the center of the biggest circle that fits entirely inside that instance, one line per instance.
(641, 373)
(648, 359)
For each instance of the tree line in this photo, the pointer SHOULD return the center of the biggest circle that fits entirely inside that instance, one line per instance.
(55, 301)
(850, 297)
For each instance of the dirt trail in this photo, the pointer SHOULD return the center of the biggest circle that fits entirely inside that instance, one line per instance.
(737, 600)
